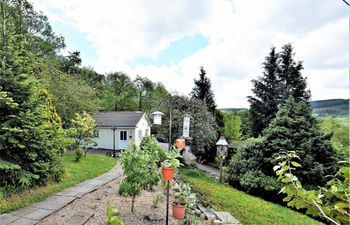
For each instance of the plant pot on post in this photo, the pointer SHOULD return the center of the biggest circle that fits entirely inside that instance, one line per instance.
(168, 167)
(168, 172)
(170, 164)
(180, 143)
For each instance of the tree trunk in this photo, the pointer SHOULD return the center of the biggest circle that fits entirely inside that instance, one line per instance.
(132, 204)
(140, 101)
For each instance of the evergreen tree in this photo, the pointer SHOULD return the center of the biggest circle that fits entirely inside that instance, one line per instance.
(281, 78)
(293, 129)
(202, 90)
(293, 83)
(267, 96)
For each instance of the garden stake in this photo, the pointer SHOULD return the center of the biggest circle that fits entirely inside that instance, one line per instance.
(167, 203)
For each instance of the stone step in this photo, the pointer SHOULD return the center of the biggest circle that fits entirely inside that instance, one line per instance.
(207, 212)
(227, 218)
(79, 218)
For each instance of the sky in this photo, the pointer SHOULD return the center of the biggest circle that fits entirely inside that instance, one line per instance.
(168, 41)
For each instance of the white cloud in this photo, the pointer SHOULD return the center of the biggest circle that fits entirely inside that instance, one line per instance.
(240, 34)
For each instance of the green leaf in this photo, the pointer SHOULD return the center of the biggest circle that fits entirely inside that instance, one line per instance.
(295, 164)
(341, 205)
(276, 167)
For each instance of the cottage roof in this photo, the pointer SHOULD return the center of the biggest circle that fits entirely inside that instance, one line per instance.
(118, 118)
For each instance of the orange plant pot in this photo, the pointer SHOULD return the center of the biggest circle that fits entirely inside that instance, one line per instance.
(180, 143)
(179, 211)
(168, 172)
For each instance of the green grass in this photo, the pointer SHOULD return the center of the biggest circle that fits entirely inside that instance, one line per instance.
(247, 209)
(75, 172)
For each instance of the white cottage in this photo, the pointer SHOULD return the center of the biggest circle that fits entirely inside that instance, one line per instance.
(120, 128)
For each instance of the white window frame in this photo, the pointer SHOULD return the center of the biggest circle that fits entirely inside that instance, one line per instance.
(140, 133)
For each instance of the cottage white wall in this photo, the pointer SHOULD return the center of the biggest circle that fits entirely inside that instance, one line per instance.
(142, 126)
(105, 138)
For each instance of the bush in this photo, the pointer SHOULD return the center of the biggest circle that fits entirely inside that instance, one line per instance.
(112, 218)
(245, 169)
(78, 154)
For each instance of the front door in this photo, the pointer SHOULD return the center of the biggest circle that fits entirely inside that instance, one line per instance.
(123, 139)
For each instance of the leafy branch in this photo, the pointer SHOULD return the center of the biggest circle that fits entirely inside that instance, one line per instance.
(330, 202)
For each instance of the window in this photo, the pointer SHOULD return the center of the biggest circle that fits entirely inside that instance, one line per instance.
(146, 133)
(96, 133)
(140, 133)
(123, 135)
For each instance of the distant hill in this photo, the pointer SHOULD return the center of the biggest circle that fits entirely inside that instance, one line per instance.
(333, 107)
(232, 109)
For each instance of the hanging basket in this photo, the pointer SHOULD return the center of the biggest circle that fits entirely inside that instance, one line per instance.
(168, 173)
(179, 211)
(180, 143)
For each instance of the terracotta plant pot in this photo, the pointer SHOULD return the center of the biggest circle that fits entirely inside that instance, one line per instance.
(179, 211)
(168, 172)
(180, 143)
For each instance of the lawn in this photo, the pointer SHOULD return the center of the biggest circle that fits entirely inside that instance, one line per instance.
(75, 172)
(247, 209)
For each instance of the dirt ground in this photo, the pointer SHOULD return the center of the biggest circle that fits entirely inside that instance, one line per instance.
(97, 202)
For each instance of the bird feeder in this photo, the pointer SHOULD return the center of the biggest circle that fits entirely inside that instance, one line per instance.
(157, 117)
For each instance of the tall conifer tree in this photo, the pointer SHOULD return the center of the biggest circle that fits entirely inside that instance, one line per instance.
(267, 96)
(202, 90)
(281, 78)
(293, 83)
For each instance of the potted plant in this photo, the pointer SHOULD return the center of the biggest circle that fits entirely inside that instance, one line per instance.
(184, 199)
(170, 164)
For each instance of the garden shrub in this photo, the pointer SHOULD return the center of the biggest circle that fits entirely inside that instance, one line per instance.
(245, 169)
(78, 154)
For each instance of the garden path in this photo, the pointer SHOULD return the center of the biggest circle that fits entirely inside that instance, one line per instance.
(208, 169)
(34, 213)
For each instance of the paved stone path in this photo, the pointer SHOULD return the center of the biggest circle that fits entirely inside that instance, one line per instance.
(32, 214)
(209, 169)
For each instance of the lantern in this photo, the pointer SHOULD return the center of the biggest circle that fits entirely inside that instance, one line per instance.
(221, 147)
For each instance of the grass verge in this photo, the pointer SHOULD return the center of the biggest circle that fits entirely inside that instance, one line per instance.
(75, 172)
(247, 209)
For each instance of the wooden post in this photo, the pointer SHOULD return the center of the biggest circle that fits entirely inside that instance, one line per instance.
(114, 128)
(221, 162)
